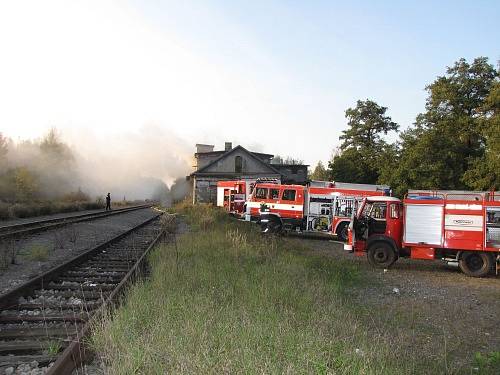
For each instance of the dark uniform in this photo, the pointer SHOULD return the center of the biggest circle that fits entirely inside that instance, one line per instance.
(108, 202)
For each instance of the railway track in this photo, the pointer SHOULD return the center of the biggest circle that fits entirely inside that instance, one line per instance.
(19, 230)
(43, 321)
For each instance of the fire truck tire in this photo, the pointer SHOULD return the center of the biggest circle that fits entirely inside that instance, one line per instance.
(342, 232)
(476, 263)
(272, 226)
(381, 255)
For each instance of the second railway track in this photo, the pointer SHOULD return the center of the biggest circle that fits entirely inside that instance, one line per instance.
(42, 321)
(23, 229)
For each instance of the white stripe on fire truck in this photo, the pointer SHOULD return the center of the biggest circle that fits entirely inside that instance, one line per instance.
(277, 206)
(453, 206)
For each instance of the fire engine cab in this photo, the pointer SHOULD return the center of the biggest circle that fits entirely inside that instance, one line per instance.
(319, 207)
(457, 227)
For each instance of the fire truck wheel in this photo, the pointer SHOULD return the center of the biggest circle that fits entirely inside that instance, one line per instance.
(342, 232)
(381, 255)
(272, 226)
(476, 263)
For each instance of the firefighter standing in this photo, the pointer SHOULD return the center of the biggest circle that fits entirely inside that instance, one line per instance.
(108, 202)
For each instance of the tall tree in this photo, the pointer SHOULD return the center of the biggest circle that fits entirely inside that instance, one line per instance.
(484, 171)
(363, 149)
(450, 136)
(367, 122)
(320, 173)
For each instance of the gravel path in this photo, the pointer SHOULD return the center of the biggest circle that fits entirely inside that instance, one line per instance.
(58, 245)
(426, 305)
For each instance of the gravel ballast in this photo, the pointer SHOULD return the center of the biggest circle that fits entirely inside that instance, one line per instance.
(61, 244)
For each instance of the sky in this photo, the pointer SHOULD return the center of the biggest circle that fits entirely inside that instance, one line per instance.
(273, 76)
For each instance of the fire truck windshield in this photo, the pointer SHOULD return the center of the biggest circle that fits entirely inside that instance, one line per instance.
(375, 210)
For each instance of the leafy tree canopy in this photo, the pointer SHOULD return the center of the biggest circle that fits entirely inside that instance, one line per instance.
(363, 150)
(366, 123)
(454, 144)
(320, 173)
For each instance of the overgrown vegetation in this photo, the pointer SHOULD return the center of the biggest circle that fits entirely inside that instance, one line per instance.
(454, 144)
(223, 299)
(37, 178)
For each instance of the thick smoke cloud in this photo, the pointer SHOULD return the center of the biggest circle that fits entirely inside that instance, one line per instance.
(139, 165)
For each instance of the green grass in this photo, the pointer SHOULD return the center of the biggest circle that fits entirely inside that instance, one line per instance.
(487, 363)
(224, 299)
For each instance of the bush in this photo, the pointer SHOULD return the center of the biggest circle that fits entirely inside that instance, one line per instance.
(76, 196)
(22, 210)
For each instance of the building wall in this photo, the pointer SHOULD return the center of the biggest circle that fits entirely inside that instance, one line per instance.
(205, 159)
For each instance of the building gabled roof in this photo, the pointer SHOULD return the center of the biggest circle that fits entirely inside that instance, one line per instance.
(227, 153)
(220, 152)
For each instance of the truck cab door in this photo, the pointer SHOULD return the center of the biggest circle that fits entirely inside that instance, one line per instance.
(372, 220)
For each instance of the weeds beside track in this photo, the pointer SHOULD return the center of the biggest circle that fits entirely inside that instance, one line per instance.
(224, 299)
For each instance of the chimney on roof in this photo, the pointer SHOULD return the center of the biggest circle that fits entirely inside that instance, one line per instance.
(201, 148)
(228, 146)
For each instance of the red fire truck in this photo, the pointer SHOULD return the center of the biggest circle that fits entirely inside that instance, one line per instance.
(319, 207)
(233, 194)
(458, 227)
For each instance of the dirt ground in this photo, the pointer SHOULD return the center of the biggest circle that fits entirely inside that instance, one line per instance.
(427, 306)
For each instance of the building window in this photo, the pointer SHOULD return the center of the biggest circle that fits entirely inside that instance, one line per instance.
(238, 164)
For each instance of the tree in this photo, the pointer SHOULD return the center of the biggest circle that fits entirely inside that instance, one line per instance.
(363, 149)
(367, 121)
(352, 166)
(26, 184)
(52, 146)
(56, 167)
(456, 133)
(484, 171)
(320, 173)
(288, 160)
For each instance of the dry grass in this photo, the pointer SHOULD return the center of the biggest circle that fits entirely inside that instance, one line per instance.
(224, 299)
(169, 223)
(32, 209)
